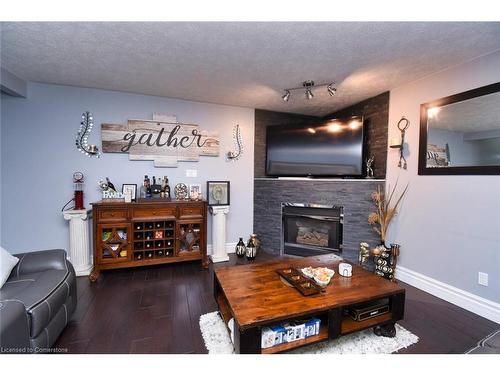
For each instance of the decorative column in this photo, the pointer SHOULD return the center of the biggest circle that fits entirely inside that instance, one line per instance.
(79, 250)
(219, 253)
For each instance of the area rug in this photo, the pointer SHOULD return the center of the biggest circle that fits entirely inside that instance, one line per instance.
(217, 340)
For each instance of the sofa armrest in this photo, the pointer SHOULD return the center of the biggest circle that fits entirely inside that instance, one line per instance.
(40, 261)
(14, 328)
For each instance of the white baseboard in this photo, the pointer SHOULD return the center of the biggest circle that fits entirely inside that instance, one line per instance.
(468, 301)
(230, 248)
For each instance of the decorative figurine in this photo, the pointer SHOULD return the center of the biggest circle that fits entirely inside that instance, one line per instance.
(369, 169)
(364, 253)
(403, 124)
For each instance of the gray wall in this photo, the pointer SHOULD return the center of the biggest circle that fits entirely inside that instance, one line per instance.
(38, 158)
(448, 226)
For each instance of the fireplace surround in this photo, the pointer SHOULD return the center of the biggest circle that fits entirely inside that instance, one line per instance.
(311, 229)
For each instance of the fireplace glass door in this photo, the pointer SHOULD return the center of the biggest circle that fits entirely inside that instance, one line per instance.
(311, 231)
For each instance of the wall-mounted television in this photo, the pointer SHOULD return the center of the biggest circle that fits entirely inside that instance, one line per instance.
(329, 148)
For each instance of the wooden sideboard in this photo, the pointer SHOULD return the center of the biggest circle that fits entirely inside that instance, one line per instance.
(148, 232)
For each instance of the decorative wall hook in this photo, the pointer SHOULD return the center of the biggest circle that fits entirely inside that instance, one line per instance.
(238, 143)
(83, 135)
(403, 124)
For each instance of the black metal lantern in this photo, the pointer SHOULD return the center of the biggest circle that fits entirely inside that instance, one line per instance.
(251, 251)
(241, 249)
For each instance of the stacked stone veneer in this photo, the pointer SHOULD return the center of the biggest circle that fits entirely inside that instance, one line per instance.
(354, 196)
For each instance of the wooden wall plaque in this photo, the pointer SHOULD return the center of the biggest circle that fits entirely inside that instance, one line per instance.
(166, 143)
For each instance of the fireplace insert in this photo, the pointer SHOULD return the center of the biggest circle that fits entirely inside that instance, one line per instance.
(310, 229)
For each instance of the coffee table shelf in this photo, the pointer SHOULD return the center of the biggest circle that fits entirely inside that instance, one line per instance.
(349, 325)
(322, 336)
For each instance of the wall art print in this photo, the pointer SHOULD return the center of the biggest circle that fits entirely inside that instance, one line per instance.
(166, 143)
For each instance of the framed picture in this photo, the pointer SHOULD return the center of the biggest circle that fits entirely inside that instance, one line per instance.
(218, 193)
(195, 192)
(131, 189)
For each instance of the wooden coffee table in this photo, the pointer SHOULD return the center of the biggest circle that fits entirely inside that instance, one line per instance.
(256, 297)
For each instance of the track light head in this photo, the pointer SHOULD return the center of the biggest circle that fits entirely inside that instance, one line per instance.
(286, 96)
(332, 90)
(309, 94)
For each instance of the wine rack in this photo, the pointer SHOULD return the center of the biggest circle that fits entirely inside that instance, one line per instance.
(153, 239)
(148, 232)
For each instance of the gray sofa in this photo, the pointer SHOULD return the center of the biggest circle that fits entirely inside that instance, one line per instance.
(37, 301)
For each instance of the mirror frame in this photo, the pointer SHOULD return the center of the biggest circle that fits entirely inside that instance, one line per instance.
(422, 153)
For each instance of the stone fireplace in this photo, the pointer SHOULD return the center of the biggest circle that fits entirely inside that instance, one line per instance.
(310, 229)
(353, 196)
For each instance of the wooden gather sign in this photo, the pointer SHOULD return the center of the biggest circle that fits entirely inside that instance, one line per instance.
(165, 143)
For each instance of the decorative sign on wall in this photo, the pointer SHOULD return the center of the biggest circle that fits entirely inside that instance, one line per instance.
(164, 142)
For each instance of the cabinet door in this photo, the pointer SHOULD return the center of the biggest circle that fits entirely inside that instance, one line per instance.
(189, 236)
(113, 243)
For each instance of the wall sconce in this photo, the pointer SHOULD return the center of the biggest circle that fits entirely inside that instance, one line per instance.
(403, 124)
(83, 135)
(308, 86)
(238, 143)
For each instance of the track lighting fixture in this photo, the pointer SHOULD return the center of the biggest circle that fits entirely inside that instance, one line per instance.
(308, 86)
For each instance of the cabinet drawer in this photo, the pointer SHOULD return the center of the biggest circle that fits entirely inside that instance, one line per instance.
(190, 212)
(113, 215)
(154, 212)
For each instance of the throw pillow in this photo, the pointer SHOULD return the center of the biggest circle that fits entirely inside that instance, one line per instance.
(7, 263)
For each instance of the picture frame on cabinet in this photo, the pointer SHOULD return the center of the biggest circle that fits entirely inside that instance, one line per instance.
(218, 193)
(130, 188)
(195, 192)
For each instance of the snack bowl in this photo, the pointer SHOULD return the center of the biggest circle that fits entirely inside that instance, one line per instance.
(308, 271)
(322, 282)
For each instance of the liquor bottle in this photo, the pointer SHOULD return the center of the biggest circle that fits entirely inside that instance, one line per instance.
(166, 187)
(147, 186)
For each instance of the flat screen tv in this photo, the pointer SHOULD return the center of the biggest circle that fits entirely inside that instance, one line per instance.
(331, 148)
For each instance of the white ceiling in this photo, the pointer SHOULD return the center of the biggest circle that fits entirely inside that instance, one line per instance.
(243, 64)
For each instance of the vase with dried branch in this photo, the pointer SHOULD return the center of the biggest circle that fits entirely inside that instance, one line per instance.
(384, 213)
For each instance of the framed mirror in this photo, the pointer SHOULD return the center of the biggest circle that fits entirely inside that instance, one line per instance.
(460, 134)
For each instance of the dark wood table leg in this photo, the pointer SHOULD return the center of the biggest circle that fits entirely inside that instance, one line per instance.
(247, 341)
(398, 312)
(334, 323)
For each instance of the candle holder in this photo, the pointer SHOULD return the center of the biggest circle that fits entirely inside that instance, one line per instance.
(403, 124)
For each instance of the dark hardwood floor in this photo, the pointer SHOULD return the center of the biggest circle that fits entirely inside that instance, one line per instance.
(157, 310)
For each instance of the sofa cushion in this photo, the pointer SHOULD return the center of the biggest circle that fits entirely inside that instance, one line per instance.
(7, 263)
(42, 293)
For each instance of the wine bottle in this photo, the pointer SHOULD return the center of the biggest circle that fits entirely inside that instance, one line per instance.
(166, 187)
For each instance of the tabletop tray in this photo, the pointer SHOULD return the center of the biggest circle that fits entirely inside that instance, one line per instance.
(303, 284)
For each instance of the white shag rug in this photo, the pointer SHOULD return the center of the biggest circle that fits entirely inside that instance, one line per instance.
(217, 340)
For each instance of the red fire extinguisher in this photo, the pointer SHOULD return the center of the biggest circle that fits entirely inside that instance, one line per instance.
(78, 197)
(78, 181)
